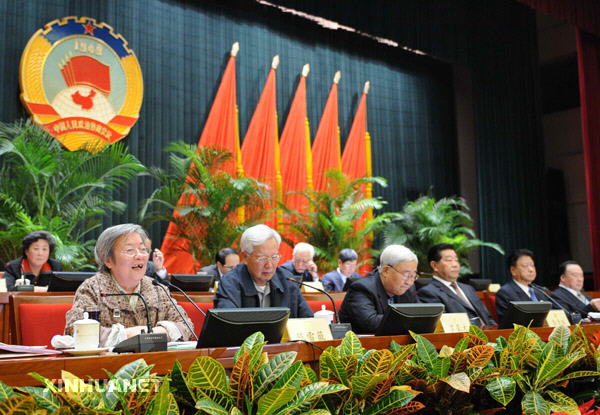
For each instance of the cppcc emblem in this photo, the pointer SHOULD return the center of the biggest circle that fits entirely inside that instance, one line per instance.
(81, 83)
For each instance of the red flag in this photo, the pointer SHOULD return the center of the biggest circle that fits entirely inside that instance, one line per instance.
(326, 147)
(296, 159)
(260, 149)
(356, 160)
(220, 131)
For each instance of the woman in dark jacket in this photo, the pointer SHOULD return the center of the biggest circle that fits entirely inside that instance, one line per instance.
(37, 248)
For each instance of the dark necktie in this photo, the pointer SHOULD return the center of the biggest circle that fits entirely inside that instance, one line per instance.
(460, 294)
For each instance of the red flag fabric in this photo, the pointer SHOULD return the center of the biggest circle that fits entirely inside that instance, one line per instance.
(296, 159)
(260, 148)
(326, 147)
(220, 131)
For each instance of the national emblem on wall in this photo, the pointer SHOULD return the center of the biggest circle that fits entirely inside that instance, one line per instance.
(81, 83)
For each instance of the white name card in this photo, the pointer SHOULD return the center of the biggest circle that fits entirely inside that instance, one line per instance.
(309, 286)
(557, 318)
(453, 323)
(309, 329)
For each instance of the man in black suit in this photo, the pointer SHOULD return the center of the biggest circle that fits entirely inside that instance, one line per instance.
(393, 282)
(225, 260)
(521, 265)
(444, 288)
(569, 294)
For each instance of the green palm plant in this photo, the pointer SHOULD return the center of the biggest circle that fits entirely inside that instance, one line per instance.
(335, 218)
(426, 221)
(202, 200)
(44, 186)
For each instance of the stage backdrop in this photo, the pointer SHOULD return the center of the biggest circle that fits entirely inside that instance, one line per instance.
(183, 48)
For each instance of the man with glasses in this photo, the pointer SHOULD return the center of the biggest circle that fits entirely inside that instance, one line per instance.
(393, 282)
(225, 260)
(302, 266)
(444, 287)
(258, 282)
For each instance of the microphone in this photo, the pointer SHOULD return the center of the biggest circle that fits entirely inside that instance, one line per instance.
(545, 291)
(148, 325)
(187, 297)
(144, 342)
(338, 330)
(155, 282)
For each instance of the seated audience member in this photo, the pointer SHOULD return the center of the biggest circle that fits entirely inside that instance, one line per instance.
(521, 266)
(576, 304)
(225, 260)
(156, 268)
(393, 282)
(302, 266)
(122, 255)
(444, 287)
(37, 247)
(259, 282)
(341, 278)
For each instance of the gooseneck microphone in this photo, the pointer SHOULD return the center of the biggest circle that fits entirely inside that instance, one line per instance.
(155, 282)
(144, 342)
(148, 325)
(338, 330)
(168, 284)
(545, 291)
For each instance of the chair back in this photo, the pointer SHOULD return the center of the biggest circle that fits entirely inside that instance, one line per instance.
(194, 315)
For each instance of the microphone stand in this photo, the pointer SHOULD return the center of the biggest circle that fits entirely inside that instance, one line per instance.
(168, 284)
(545, 291)
(155, 282)
(338, 330)
(144, 342)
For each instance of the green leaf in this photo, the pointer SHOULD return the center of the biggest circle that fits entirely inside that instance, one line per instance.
(17, 405)
(426, 351)
(395, 399)
(134, 370)
(552, 367)
(502, 389)
(565, 403)
(164, 401)
(291, 378)
(534, 404)
(477, 332)
(210, 407)
(180, 388)
(254, 345)
(441, 367)
(44, 398)
(459, 381)
(5, 392)
(310, 393)
(461, 345)
(377, 362)
(362, 385)
(335, 368)
(560, 337)
(577, 374)
(350, 345)
(272, 370)
(206, 372)
(271, 401)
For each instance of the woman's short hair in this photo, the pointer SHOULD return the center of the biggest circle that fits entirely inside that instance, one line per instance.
(394, 254)
(257, 235)
(35, 236)
(108, 239)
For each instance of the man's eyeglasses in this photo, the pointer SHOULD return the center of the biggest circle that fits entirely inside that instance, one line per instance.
(407, 275)
(131, 252)
(264, 258)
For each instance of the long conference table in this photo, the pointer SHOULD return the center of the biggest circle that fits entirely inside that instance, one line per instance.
(13, 371)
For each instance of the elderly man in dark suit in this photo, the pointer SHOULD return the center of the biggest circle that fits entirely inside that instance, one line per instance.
(444, 288)
(569, 294)
(393, 282)
(345, 274)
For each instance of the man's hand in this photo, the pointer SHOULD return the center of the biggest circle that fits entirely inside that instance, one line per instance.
(159, 259)
(313, 270)
(595, 302)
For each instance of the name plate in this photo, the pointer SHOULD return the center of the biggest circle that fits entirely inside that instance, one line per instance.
(556, 318)
(309, 286)
(309, 329)
(3, 285)
(453, 323)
